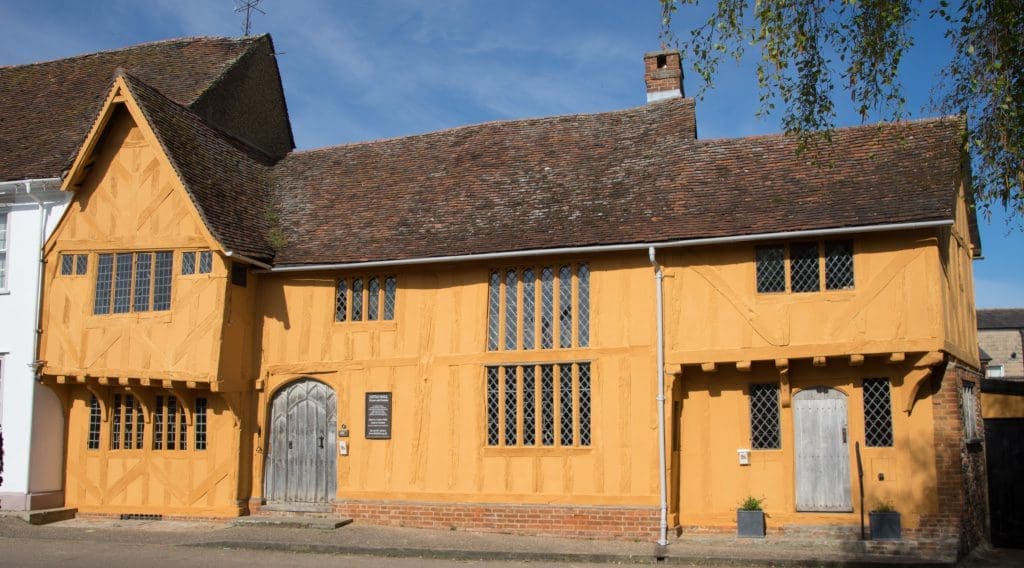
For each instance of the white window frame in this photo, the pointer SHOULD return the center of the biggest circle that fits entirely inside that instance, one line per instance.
(5, 247)
(995, 372)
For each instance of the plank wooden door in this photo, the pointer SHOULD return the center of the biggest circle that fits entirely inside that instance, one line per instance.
(1005, 455)
(822, 451)
(302, 458)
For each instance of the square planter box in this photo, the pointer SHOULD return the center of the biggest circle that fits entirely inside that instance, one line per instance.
(750, 524)
(885, 526)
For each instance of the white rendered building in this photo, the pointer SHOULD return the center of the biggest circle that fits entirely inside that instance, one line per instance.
(31, 415)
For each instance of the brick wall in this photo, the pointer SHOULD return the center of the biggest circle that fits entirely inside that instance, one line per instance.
(1002, 345)
(962, 519)
(620, 523)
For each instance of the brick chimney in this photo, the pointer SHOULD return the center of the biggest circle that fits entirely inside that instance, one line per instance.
(663, 73)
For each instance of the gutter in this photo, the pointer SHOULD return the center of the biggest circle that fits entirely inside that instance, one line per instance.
(618, 247)
(254, 262)
(662, 477)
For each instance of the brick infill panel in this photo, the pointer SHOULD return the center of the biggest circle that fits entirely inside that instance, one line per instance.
(597, 522)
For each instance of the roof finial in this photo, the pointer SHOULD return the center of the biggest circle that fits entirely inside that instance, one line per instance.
(249, 6)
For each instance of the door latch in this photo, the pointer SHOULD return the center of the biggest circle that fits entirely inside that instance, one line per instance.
(321, 442)
(844, 434)
(289, 444)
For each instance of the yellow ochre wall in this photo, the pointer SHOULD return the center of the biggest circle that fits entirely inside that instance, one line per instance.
(168, 482)
(132, 201)
(432, 358)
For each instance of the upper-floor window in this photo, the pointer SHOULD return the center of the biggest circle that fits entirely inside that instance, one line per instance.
(539, 308)
(3, 247)
(809, 263)
(994, 372)
(196, 262)
(74, 264)
(365, 299)
(133, 282)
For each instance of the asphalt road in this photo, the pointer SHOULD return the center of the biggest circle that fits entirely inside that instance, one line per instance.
(50, 553)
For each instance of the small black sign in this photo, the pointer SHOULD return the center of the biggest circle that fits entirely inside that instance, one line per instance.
(378, 416)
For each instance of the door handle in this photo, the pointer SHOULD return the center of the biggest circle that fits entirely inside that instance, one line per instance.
(289, 444)
(844, 434)
(321, 442)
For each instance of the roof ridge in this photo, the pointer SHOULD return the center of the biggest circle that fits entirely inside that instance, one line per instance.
(228, 137)
(536, 119)
(852, 127)
(187, 39)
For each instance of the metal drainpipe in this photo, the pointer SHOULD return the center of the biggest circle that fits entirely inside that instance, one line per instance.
(34, 365)
(663, 496)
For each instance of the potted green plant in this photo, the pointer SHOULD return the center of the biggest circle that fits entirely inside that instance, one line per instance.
(885, 522)
(750, 518)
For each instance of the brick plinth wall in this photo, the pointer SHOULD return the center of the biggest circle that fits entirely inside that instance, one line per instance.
(962, 519)
(619, 523)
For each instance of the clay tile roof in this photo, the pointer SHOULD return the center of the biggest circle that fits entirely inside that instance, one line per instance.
(1001, 318)
(631, 176)
(226, 178)
(46, 109)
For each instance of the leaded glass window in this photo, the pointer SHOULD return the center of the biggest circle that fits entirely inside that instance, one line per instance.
(583, 308)
(390, 289)
(511, 321)
(803, 267)
(511, 406)
(373, 299)
(838, 265)
(143, 281)
(565, 404)
(547, 307)
(584, 403)
(493, 307)
(93, 442)
(205, 262)
(764, 417)
(522, 314)
(67, 264)
(361, 299)
(529, 308)
(158, 424)
(171, 427)
(188, 263)
(129, 415)
(104, 278)
(341, 301)
(357, 299)
(529, 406)
(877, 413)
(493, 407)
(115, 424)
(200, 423)
(771, 269)
(140, 425)
(547, 405)
(553, 402)
(162, 281)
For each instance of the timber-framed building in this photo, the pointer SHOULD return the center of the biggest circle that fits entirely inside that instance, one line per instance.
(592, 325)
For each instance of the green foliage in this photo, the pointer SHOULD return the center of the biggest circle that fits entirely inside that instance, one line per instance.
(275, 236)
(809, 48)
(751, 503)
(883, 506)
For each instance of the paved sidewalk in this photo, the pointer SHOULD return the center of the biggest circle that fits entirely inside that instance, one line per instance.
(370, 540)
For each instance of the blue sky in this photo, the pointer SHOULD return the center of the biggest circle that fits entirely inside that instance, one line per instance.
(366, 69)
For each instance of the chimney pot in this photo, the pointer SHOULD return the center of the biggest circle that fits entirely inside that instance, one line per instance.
(663, 75)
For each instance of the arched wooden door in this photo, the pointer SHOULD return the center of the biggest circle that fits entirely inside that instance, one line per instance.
(301, 464)
(822, 450)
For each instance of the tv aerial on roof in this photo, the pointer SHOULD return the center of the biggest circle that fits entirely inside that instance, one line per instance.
(248, 6)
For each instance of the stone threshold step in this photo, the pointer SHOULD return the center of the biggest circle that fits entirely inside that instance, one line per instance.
(42, 516)
(292, 522)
